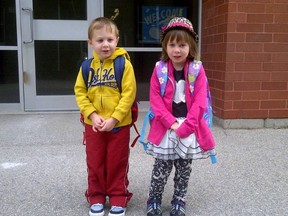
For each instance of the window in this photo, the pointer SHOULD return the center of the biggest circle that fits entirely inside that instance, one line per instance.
(57, 66)
(9, 80)
(140, 24)
(60, 9)
(8, 35)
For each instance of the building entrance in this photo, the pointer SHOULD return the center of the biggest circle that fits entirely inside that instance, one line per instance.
(42, 44)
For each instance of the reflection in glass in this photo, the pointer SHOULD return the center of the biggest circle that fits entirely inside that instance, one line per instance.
(57, 65)
(143, 63)
(60, 9)
(9, 79)
(140, 22)
(8, 34)
(136, 21)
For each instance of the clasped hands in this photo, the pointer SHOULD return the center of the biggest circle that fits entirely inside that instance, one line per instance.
(101, 124)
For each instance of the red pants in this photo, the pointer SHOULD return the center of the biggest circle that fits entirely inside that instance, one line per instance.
(108, 163)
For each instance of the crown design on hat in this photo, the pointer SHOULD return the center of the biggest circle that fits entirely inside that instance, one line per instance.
(179, 23)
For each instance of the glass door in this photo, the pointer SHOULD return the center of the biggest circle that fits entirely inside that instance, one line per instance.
(54, 43)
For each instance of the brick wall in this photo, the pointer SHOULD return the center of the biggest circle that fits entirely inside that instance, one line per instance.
(245, 54)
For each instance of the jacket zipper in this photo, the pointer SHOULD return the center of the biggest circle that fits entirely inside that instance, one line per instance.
(100, 86)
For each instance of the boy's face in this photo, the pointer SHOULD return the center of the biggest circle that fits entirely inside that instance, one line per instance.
(103, 42)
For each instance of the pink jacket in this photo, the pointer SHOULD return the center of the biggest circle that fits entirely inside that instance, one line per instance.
(196, 103)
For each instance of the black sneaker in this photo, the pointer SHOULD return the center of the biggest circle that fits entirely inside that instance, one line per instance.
(154, 207)
(178, 208)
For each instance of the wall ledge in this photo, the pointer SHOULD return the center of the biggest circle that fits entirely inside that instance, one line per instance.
(251, 123)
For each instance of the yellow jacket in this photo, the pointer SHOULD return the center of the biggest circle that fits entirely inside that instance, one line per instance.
(103, 96)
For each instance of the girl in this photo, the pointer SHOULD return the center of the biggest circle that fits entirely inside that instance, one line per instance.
(178, 132)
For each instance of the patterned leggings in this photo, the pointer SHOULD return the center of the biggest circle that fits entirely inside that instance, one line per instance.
(160, 173)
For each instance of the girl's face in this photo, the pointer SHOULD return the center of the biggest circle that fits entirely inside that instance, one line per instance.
(103, 42)
(178, 52)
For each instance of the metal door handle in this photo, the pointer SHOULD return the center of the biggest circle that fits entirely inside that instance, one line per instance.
(29, 10)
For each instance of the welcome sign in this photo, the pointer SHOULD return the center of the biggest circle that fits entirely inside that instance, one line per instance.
(154, 17)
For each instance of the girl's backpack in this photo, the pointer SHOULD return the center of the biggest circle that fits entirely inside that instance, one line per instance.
(162, 74)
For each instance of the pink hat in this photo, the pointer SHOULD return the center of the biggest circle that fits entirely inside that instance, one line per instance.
(179, 23)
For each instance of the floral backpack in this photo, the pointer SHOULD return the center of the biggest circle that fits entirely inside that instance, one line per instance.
(162, 74)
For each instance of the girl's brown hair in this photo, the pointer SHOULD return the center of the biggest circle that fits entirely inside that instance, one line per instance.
(99, 23)
(180, 35)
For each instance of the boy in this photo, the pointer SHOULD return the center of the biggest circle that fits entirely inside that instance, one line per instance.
(107, 117)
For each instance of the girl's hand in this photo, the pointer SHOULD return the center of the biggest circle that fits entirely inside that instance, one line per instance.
(174, 126)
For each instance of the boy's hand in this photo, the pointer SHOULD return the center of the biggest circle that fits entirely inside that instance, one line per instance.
(97, 122)
(109, 124)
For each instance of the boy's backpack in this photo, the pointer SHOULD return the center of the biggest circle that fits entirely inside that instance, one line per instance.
(119, 64)
(162, 74)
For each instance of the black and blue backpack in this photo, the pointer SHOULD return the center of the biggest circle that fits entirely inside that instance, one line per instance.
(119, 66)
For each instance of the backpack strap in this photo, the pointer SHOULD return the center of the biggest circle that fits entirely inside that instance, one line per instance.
(86, 71)
(193, 71)
(85, 74)
(119, 64)
(162, 74)
(147, 117)
(137, 136)
(213, 157)
(208, 115)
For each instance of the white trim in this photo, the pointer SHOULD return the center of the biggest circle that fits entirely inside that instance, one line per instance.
(20, 57)
(94, 7)
(49, 103)
(10, 107)
(57, 27)
(8, 47)
(143, 49)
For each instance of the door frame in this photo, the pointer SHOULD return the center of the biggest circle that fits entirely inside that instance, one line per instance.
(27, 71)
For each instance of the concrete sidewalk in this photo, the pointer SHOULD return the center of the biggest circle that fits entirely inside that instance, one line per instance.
(43, 170)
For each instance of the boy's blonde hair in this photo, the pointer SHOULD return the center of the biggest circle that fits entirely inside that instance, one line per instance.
(99, 23)
(180, 35)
